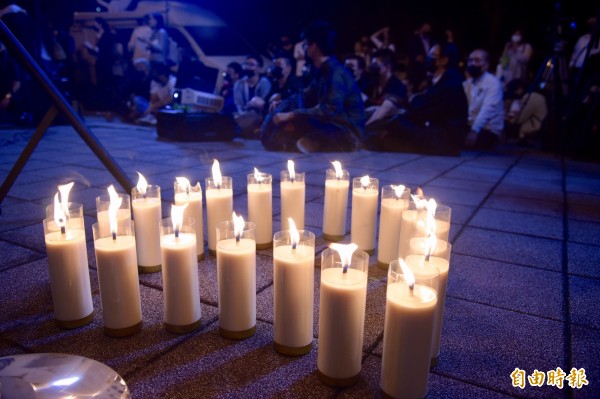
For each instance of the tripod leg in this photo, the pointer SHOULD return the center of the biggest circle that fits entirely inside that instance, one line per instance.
(27, 151)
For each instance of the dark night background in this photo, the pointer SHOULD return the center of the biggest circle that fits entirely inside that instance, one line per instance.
(486, 23)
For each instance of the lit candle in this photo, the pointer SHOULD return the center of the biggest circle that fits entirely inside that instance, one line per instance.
(293, 280)
(64, 234)
(219, 203)
(408, 226)
(408, 328)
(437, 219)
(336, 202)
(394, 200)
(293, 194)
(342, 314)
(236, 278)
(102, 204)
(260, 207)
(117, 266)
(181, 290)
(147, 214)
(365, 192)
(430, 251)
(185, 193)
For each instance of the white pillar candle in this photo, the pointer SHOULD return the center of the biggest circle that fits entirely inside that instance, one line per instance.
(260, 207)
(219, 206)
(365, 192)
(293, 195)
(341, 317)
(68, 267)
(293, 281)
(117, 266)
(442, 263)
(442, 219)
(394, 200)
(336, 203)
(181, 290)
(123, 214)
(408, 327)
(185, 193)
(236, 280)
(147, 215)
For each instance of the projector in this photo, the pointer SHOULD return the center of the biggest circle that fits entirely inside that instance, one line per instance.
(199, 100)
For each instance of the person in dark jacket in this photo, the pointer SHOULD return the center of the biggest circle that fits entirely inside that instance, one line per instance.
(436, 120)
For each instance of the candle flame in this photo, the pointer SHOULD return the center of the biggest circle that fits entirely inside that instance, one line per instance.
(142, 184)
(430, 246)
(258, 176)
(294, 234)
(238, 226)
(113, 209)
(365, 181)
(345, 252)
(338, 169)
(177, 217)
(291, 169)
(59, 215)
(183, 183)
(64, 190)
(112, 193)
(430, 225)
(398, 190)
(420, 203)
(216, 172)
(409, 276)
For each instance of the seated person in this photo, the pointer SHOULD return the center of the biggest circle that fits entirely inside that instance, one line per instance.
(233, 73)
(486, 107)
(526, 111)
(336, 120)
(356, 65)
(436, 120)
(388, 96)
(285, 94)
(162, 88)
(250, 95)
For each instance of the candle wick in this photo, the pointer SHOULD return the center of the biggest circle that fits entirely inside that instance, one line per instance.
(293, 180)
(427, 257)
(411, 286)
(63, 230)
(237, 240)
(294, 246)
(345, 269)
(114, 236)
(176, 233)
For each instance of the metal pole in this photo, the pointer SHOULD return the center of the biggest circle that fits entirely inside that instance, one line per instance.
(19, 52)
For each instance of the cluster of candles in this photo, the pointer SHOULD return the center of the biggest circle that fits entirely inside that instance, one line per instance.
(413, 246)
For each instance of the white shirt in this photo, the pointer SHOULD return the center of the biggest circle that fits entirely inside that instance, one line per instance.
(580, 49)
(486, 109)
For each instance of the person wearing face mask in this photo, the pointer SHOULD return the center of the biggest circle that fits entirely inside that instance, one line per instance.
(389, 95)
(285, 87)
(435, 121)
(233, 73)
(486, 107)
(250, 95)
(515, 59)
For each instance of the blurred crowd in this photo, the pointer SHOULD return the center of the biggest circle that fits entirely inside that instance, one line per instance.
(426, 94)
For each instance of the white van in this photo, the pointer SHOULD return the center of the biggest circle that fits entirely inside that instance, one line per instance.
(191, 27)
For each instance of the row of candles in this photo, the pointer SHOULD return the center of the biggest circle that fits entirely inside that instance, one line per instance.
(413, 243)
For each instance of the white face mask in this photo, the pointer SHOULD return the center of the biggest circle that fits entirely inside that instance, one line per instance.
(516, 38)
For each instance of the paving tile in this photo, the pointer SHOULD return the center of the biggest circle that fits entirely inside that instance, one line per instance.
(461, 184)
(518, 288)
(482, 345)
(585, 347)
(586, 185)
(524, 205)
(212, 365)
(584, 232)
(584, 294)
(18, 213)
(525, 190)
(439, 386)
(584, 260)
(469, 171)
(511, 248)
(455, 196)
(586, 213)
(14, 255)
(516, 222)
